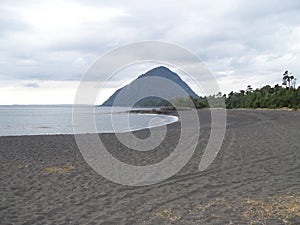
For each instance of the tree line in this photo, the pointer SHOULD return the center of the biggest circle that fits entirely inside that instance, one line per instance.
(278, 96)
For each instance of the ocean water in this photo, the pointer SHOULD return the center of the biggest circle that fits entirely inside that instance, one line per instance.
(36, 120)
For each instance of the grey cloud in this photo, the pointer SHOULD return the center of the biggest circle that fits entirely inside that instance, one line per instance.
(10, 21)
(32, 85)
(256, 9)
(245, 37)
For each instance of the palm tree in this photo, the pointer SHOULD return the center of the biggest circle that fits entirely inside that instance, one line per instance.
(290, 79)
(285, 77)
(249, 89)
(287, 80)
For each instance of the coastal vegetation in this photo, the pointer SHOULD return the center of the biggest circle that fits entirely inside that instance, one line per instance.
(284, 96)
(265, 97)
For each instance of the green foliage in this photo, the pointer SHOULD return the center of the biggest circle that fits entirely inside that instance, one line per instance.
(201, 102)
(183, 102)
(265, 97)
(212, 101)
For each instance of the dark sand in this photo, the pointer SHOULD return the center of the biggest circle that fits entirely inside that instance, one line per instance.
(255, 178)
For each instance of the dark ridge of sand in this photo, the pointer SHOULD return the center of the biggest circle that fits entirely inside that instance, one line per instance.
(44, 179)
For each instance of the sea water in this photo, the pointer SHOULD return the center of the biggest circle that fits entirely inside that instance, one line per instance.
(57, 119)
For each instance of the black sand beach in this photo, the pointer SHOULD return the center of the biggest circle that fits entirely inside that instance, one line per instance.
(255, 178)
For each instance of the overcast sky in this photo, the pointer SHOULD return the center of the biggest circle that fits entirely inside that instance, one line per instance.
(46, 46)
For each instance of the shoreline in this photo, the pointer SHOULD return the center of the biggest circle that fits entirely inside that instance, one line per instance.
(176, 120)
(69, 128)
(153, 112)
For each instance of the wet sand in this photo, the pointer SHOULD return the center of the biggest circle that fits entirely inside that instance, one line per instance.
(255, 178)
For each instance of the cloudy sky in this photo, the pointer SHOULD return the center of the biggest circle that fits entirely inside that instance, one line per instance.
(47, 46)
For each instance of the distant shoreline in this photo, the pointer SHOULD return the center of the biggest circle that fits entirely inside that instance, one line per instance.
(174, 110)
(275, 109)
